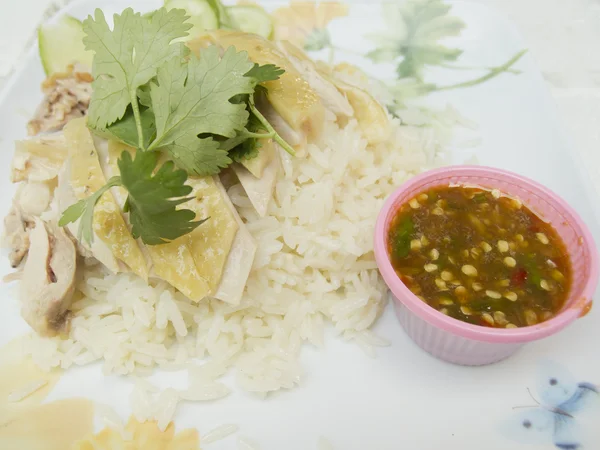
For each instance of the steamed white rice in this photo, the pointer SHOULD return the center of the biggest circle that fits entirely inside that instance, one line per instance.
(314, 267)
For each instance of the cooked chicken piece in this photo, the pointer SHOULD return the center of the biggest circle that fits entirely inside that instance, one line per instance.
(291, 95)
(31, 200)
(34, 198)
(332, 98)
(172, 262)
(109, 227)
(370, 114)
(39, 158)
(211, 242)
(240, 260)
(260, 190)
(201, 42)
(67, 96)
(16, 234)
(296, 139)
(257, 165)
(48, 280)
(65, 197)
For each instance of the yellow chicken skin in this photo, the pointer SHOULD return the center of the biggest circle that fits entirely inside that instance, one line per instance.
(291, 95)
(211, 242)
(173, 262)
(86, 178)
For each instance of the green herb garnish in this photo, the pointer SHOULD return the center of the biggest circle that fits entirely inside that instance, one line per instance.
(152, 201)
(149, 93)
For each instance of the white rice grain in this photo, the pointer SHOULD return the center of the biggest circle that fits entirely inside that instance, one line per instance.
(219, 433)
(167, 403)
(205, 392)
(243, 443)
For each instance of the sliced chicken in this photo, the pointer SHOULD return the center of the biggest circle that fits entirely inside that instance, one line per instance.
(371, 116)
(48, 280)
(110, 229)
(260, 190)
(332, 98)
(291, 95)
(240, 260)
(257, 165)
(30, 201)
(34, 198)
(39, 158)
(67, 96)
(16, 234)
(172, 262)
(65, 197)
(211, 242)
(297, 140)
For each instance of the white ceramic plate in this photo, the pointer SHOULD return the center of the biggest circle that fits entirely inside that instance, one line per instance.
(403, 399)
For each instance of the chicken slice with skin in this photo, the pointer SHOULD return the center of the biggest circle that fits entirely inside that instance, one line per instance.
(260, 189)
(17, 227)
(216, 258)
(30, 201)
(371, 116)
(109, 227)
(211, 242)
(172, 262)
(241, 257)
(39, 158)
(331, 97)
(48, 282)
(257, 165)
(291, 95)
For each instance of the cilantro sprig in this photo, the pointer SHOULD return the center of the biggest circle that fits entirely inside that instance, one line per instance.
(198, 111)
(152, 201)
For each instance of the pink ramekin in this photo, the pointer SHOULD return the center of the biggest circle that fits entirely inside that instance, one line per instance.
(462, 343)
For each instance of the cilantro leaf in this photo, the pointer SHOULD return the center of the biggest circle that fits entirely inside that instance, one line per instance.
(125, 129)
(194, 98)
(128, 56)
(264, 73)
(143, 94)
(153, 198)
(246, 150)
(247, 144)
(200, 156)
(152, 201)
(85, 209)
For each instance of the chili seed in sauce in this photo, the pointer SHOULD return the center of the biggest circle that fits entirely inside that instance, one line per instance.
(489, 260)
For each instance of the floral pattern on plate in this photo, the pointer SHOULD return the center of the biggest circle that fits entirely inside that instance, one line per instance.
(560, 403)
(304, 24)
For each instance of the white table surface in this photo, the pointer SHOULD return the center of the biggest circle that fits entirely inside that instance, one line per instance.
(563, 36)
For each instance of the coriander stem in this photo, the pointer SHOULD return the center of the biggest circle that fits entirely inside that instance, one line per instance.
(138, 121)
(259, 135)
(493, 72)
(287, 147)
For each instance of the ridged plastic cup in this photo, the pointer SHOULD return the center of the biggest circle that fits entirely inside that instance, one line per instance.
(463, 343)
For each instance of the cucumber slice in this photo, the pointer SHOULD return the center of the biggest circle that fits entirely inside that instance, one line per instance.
(251, 19)
(201, 15)
(221, 13)
(61, 44)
